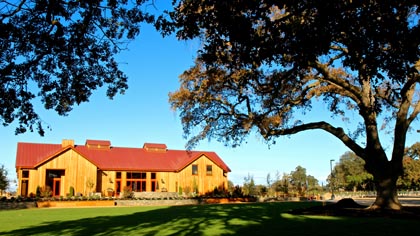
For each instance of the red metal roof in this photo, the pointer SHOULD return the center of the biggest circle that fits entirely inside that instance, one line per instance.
(31, 155)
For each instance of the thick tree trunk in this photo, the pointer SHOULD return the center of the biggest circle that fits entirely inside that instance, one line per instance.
(385, 174)
(386, 196)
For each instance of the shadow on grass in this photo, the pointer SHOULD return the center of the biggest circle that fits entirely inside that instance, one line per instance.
(239, 219)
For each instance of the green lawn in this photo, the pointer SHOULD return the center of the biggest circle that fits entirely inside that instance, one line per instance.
(232, 219)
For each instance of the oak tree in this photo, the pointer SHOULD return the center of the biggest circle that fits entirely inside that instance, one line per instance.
(410, 180)
(59, 51)
(298, 180)
(349, 173)
(263, 62)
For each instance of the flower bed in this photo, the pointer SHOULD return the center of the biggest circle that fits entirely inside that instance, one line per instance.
(85, 203)
(219, 200)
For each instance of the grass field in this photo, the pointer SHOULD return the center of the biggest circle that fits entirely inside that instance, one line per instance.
(228, 219)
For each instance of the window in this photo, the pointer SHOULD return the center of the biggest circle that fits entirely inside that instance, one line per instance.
(153, 182)
(136, 181)
(24, 183)
(209, 170)
(194, 169)
(136, 175)
(118, 182)
(25, 174)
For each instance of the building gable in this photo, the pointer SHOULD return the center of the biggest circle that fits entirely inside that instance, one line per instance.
(211, 157)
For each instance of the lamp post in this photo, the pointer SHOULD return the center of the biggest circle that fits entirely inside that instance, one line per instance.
(331, 183)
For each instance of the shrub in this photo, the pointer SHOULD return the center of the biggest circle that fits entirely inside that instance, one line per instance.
(38, 191)
(187, 190)
(46, 191)
(71, 192)
(127, 192)
(237, 192)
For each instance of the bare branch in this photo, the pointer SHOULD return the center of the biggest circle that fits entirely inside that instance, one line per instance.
(337, 132)
(17, 9)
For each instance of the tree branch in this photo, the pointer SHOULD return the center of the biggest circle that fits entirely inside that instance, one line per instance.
(17, 9)
(337, 132)
(353, 92)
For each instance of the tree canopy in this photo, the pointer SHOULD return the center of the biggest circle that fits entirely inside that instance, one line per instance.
(263, 62)
(60, 51)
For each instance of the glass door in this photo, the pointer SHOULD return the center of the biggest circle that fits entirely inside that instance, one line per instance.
(56, 187)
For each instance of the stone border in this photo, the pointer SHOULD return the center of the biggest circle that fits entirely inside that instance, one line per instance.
(16, 205)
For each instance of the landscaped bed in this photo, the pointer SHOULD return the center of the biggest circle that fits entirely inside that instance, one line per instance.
(21, 203)
(85, 203)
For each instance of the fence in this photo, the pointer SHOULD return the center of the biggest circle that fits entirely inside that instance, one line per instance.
(364, 194)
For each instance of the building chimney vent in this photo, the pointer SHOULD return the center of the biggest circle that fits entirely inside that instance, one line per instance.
(155, 147)
(67, 142)
(98, 144)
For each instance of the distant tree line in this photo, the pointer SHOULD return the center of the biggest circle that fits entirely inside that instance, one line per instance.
(348, 174)
(296, 183)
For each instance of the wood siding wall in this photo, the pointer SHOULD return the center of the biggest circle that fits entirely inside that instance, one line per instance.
(205, 183)
(78, 171)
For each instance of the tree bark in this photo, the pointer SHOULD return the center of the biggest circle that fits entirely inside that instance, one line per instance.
(386, 194)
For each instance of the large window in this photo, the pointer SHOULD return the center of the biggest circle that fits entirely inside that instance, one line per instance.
(136, 181)
(194, 169)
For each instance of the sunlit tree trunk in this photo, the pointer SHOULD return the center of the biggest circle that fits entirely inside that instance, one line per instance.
(386, 196)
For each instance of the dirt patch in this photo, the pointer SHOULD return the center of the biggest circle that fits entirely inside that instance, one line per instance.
(348, 207)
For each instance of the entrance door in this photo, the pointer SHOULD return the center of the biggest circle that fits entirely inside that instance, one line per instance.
(56, 187)
(53, 181)
(24, 188)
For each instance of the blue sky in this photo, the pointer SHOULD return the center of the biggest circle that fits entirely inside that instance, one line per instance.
(143, 114)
